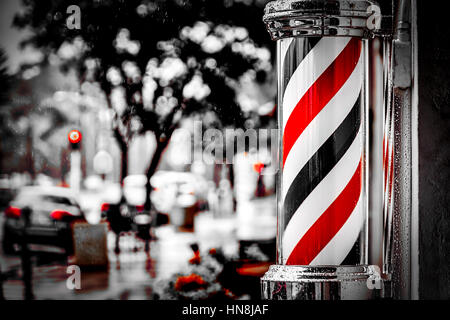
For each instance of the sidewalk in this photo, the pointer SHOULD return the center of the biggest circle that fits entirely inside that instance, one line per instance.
(130, 275)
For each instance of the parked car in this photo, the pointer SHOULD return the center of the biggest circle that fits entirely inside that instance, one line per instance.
(52, 211)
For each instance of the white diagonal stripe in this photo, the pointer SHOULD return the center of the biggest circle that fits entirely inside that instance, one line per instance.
(322, 197)
(322, 127)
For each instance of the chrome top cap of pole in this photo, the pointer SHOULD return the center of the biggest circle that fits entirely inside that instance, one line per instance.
(318, 18)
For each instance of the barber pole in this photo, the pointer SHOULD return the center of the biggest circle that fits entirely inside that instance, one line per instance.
(322, 186)
(323, 144)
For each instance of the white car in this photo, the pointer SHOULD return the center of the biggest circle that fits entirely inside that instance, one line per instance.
(52, 212)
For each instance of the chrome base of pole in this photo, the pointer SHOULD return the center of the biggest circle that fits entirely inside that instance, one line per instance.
(286, 282)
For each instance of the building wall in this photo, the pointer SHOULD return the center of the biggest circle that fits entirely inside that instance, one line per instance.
(434, 150)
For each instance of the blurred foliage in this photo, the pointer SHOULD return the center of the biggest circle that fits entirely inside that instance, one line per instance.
(201, 280)
(159, 61)
(147, 24)
(6, 131)
(5, 78)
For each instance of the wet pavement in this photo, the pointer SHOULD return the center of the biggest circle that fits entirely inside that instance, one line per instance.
(131, 274)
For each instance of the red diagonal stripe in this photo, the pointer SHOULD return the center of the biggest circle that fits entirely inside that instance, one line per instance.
(329, 223)
(320, 93)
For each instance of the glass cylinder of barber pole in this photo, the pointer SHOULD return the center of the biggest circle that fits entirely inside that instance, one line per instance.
(322, 190)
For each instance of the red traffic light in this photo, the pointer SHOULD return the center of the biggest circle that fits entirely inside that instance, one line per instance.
(74, 136)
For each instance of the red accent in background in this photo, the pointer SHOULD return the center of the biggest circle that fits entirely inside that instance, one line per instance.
(13, 212)
(59, 214)
(74, 136)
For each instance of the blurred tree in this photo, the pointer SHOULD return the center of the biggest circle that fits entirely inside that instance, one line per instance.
(5, 83)
(157, 61)
(5, 78)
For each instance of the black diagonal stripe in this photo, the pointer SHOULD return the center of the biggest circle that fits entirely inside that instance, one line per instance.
(322, 162)
(297, 51)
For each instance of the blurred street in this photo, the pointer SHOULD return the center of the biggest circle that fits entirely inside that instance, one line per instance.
(175, 249)
(130, 275)
(107, 162)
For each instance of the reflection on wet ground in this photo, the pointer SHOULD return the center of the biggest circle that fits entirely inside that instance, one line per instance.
(131, 274)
